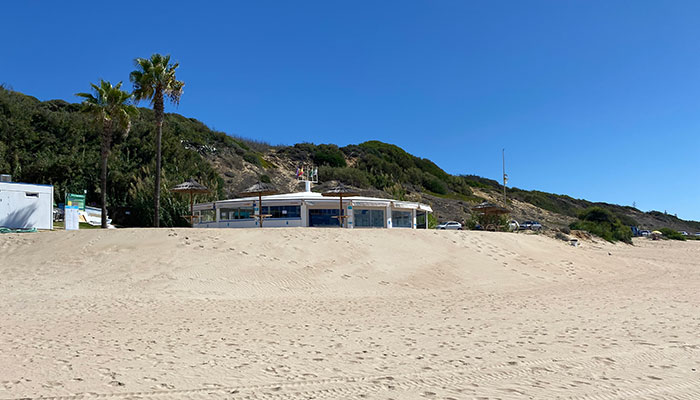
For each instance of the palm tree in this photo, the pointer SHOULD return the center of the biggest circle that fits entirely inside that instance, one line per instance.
(154, 79)
(110, 106)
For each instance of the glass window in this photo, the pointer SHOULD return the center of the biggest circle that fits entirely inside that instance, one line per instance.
(323, 217)
(227, 214)
(244, 213)
(377, 217)
(401, 219)
(361, 218)
(283, 211)
(208, 216)
(420, 220)
(369, 218)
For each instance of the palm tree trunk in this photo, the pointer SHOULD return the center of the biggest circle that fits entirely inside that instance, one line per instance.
(106, 138)
(158, 108)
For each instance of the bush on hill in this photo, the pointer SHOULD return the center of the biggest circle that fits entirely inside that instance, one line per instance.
(432, 221)
(551, 202)
(387, 164)
(604, 224)
(671, 234)
(433, 184)
(376, 164)
(479, 182)
(330, 155)
(349, 176)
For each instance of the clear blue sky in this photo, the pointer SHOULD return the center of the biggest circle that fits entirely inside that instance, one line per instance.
(595, 99)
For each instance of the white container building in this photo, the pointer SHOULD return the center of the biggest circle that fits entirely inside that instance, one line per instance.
(26, 205)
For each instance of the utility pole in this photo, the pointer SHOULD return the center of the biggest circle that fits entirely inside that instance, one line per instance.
(505, 179)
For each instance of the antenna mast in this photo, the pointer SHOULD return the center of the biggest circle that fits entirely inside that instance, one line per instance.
(505, 179)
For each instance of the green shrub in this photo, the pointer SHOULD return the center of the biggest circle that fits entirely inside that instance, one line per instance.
(252, 158)
(300, 152)
(597, 214)
(472, 222)
(265, 179)
(396, 191)
(604, 224)
(432, 221)
(434, 184)
(671, 234)
(348, 176)
(330, 155)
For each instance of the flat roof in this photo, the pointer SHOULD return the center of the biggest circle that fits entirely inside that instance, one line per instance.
(318, 197)
(24, 183)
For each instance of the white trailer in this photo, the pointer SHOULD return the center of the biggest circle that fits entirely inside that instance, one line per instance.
(26, 205)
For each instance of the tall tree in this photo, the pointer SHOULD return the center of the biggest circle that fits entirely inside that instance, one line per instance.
(110, 106)
(154, 79)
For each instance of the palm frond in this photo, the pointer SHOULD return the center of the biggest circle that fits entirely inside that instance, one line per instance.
(156, 75)
(108, 103)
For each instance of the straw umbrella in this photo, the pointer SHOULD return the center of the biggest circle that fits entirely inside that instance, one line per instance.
(340, 191)
(192, 187)
(490, 209)
(260, 189)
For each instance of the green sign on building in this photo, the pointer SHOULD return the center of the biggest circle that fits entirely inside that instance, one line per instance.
(76, 200)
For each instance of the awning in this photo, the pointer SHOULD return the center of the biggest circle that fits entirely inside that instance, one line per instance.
(366, 203)
(400, 204)
(235, 205)
(425, 207)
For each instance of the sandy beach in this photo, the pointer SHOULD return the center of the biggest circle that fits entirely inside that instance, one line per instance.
(345, 314)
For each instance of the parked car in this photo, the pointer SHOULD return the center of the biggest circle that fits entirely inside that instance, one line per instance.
(645, 233)
(450, 225)
(684, 233)
(697, 233)
(532, 225)
(513, 225)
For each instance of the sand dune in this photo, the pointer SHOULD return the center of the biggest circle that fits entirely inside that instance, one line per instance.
(345, 314)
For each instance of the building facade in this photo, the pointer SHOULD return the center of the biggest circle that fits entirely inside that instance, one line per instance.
(309, 209)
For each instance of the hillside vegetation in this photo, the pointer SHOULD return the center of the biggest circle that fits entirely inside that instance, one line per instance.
(603, 223)
(52, 142)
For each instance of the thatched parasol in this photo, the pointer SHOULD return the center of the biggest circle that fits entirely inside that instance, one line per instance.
(260, 189)
(490, 209)
(192, 187)
(341, 190)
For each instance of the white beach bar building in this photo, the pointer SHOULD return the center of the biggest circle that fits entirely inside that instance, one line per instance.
(26, 205)
(310, 209)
